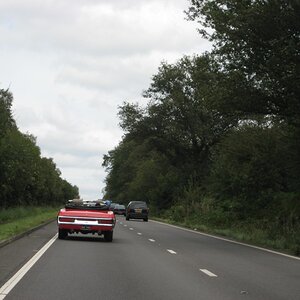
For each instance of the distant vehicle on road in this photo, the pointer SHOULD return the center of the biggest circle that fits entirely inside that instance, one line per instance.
(83, 216)
(137, 210)
(120, 210)
(112, 205)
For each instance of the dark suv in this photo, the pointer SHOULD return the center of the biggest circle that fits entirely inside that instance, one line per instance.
(137, 210)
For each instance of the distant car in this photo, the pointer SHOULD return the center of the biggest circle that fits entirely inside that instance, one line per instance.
(120, 210)
(82, 216)
(112, 205)
(137, 210)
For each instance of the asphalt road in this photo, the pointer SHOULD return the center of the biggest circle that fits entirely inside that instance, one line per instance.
(147, 260)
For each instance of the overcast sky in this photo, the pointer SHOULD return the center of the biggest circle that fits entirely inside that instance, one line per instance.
(70, 63)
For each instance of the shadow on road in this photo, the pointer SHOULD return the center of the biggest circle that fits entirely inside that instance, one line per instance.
(85, 238)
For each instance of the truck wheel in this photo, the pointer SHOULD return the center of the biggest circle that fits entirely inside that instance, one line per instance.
(146, 219)
(62, 233)
(127, 218)
(108, 236)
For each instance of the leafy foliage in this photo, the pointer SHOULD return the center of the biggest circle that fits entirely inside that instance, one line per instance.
(250, 167)
(6, 119)
(26, 178)
(220, 135)
(168, 142)
(259, 42)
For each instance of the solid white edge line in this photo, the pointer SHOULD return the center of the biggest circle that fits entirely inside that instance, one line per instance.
(171, 251)
(9, 285)
(210, 274)
(227, 240)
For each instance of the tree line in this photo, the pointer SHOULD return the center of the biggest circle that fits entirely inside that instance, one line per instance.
(220, 134)
(26, 178)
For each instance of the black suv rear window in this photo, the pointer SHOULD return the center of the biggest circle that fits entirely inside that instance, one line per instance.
(138, 205)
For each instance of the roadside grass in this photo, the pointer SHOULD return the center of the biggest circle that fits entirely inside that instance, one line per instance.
(14, 221)
(253, 233)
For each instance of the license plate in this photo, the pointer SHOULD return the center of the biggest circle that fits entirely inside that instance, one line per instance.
(85, 227)
(138, 210)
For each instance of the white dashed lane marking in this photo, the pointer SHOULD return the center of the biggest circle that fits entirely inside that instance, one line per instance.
(139, 233)
(130, 228)
(210, 274)
(151, 240)
(171, 251)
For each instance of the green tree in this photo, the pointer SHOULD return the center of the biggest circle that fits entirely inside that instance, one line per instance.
(18, 163)
(250, 168)
(26, 177)
(181, 97)
(257, 42)
(138, 172)
(6, 119)
(176, 130)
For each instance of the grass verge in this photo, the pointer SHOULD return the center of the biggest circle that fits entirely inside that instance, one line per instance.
(14, 221)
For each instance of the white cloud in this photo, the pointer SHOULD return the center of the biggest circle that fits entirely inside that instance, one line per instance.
(70, 63)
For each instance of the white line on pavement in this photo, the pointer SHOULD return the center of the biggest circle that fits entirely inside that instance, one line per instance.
(210, 274)
(171, 251)
(9, 285)
(227, 240)
(151, 240)
(139, 233)
(130, 228)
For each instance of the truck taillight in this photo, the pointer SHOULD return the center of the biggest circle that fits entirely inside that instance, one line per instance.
(70, 220)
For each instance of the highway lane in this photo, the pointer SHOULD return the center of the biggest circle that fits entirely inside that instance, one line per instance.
(14, 255)
(155, 261)
(241, 269)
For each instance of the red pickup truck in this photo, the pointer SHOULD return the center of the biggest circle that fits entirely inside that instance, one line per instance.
(83, 216)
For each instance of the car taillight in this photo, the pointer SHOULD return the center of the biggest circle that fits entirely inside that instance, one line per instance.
(110, 221)
(70, 220)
